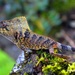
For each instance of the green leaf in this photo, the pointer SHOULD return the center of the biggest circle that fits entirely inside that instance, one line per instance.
(6, 63)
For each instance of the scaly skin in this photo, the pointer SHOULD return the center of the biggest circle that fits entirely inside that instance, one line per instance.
(10, 28)
(23, 37)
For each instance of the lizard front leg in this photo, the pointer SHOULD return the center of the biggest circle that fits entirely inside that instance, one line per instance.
(26, 52)
(51, 50)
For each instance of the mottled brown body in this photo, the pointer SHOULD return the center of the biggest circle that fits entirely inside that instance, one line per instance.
(34, 41)
(20, 34)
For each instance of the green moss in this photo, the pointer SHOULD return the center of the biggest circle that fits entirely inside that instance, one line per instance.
(55, 65)
(25, 73)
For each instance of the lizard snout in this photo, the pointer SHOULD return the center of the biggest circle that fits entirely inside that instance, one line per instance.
(3, 24)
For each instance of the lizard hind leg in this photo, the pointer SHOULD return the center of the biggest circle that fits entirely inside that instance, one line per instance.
(51, 51)
(51, 48)
(27, 51)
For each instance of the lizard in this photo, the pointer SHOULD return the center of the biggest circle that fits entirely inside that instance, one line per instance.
(20, 34)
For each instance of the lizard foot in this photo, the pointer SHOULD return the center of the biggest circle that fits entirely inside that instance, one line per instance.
(51, 50)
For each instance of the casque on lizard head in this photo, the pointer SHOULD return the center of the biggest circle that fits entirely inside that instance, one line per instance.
(19, 30)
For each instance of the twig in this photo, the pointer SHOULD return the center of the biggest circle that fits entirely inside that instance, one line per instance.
(68, 39)
(61, 56)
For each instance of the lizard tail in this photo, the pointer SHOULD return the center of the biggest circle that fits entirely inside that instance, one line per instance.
(65, 47)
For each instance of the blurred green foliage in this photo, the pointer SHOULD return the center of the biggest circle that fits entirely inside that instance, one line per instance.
(42, 15)
(6, 63)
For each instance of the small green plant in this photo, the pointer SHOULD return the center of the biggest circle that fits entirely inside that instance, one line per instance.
(54, 65)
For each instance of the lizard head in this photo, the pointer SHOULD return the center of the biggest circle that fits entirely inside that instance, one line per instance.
(14, 27)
